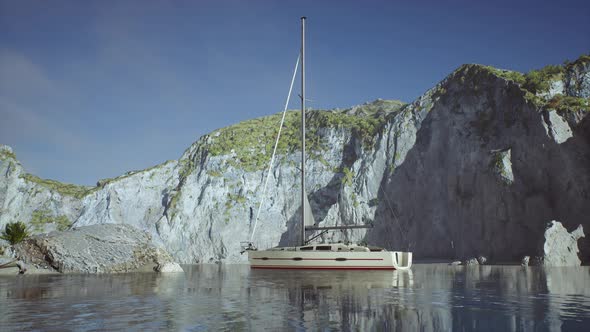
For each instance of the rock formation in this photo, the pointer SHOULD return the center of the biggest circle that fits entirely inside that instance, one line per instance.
(560, 248)
(109, 248)
(475, 166)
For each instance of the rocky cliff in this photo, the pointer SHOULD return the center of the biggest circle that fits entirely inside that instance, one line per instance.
(476, 166)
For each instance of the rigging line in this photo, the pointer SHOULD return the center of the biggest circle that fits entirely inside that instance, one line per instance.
(274, 151)
(399, 226)
(394, 215)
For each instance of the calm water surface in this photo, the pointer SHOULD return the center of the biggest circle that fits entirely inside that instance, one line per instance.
(233, 297)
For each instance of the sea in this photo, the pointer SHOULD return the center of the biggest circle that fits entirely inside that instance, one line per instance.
(210, 297)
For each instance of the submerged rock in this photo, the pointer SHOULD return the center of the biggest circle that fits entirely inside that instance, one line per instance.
(168, 267)
(22, 267)
(107, 248)
(7, 263)
(560, 248)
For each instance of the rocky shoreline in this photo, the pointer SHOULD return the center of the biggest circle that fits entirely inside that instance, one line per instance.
(106, 248)
(114, 248)
(558, 248)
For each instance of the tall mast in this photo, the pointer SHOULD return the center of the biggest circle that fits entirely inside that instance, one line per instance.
(302, 235)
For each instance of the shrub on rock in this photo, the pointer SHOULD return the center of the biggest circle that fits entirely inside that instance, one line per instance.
(15, 232)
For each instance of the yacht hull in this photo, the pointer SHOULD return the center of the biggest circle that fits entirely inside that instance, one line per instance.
(330, 260)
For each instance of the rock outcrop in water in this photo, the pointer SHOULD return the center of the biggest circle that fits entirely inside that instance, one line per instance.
(475, 166)
(109, 248)
(560, 248)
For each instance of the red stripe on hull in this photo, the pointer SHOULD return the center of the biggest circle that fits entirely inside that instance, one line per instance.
(321, 267)
(320, 259)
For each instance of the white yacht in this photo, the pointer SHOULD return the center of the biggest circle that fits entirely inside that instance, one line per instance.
(332, 256)
(328, 255)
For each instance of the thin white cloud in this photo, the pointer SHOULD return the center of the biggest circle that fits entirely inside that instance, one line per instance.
(22, 124)
(21, 78)
(30, 104)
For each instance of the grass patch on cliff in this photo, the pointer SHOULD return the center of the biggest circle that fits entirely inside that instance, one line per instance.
(236, 198)
(77, 191)
(214, 173)
(348, 177)
(40, 218)
(378, 106)
(252, 141)
(535, 81)
(104, 182)
(581, 61)
(5, 154)
(538, 81)
(510, 75)
(365, 127)
(564, 104)
(64, 189)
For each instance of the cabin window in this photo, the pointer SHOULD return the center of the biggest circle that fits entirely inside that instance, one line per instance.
(306, 248)
(323, 248)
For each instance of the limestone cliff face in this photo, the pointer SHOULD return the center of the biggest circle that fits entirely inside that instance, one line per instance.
(25, 200)
(476, 166)
(488, 168)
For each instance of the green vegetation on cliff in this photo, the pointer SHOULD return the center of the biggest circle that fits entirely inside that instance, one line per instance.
(510, 75)
(77, 191)
(252, 141)
(348, 177)
(581, 61)
(40, 218)
(538, 82)
(64, 189)
(564, 104)
(535, 81)
(5, 154)
(104, 182)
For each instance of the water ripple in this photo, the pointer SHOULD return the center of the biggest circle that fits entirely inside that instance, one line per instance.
(233, 297)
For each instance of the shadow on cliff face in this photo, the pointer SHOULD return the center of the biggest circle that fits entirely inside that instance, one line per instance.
(322, 199)
(448, 200)
(569, 191)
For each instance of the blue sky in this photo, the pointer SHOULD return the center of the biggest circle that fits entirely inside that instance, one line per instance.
(92, 89)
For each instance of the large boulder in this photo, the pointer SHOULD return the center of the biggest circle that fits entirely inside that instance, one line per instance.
(560, 247)
(106, 248)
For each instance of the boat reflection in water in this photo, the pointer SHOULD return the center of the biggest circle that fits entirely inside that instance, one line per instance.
(429, 297)
(344, 279)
